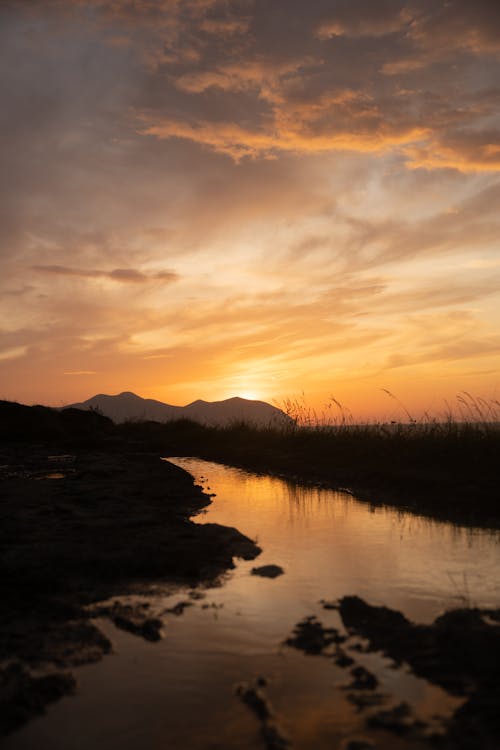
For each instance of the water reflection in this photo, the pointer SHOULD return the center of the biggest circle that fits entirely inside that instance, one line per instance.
(331, 544)
(181, 692)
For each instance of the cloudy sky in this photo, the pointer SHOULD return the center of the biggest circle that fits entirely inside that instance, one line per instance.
(208, 198)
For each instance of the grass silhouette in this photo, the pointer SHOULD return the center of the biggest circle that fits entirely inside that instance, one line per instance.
(445, 466)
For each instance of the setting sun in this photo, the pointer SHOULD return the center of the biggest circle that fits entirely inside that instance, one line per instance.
(261, 206)
(250, 395)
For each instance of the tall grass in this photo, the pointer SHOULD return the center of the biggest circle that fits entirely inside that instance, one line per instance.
(441, 465)
(469, 413)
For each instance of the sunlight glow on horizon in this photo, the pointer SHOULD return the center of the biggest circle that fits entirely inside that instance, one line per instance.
(258, 213)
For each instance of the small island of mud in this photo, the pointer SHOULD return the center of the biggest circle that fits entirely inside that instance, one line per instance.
(80, 526)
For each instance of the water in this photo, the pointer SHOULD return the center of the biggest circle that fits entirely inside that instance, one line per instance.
(180, 693)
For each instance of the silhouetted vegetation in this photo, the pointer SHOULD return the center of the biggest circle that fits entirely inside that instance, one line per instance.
(443, 469)
(447, 468)
(29, 424)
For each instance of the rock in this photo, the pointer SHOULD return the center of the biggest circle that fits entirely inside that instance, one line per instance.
(357, 743)
(328, 605)
(380, 624)
(178, 609)
(362, 679)
(255, 699)
(23, 696)
(365, 699)
(133, 618)
(460, 652)
(273, 736)
(268, 571)
(398, 719)
(310, 636)
(342, 659)
(252, 694)
(196, 595)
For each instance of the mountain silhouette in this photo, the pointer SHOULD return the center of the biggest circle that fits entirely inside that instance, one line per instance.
(128, 406)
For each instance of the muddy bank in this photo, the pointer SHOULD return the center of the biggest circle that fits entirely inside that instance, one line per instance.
(81, 528)
(459, 651)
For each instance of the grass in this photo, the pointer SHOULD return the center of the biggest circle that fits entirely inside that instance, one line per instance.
(444, 467)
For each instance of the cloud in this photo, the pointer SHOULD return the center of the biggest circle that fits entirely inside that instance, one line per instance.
(366, 19)
(20, 292)
(437, 27)
(289, 135)
(322, 176)
(226, 26)
(465, 150)
(352, 77)
(125, 275)
(13, 353)
(261, 74)
(475, 28)
(350, 85)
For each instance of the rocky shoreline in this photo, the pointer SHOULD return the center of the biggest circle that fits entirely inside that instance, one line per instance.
(78, 529)
(459, 652)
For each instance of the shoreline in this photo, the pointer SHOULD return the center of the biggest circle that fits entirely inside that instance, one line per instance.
(82, 528)
(51, 630)
(447, 503)
(446, 472)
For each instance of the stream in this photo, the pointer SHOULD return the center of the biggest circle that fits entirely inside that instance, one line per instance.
(181, 692)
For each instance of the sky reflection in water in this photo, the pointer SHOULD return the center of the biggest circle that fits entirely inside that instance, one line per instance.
(181, 692)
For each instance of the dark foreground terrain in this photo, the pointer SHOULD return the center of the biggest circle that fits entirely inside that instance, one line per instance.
(459, 651)
(89, 512)
(79, 525)
(443, 470)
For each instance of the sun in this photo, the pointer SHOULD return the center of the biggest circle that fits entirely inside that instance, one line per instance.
(249, 395)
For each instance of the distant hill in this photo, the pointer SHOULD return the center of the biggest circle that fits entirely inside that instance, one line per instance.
(128, 406)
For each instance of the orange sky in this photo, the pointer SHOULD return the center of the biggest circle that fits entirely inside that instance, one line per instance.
(208, 198)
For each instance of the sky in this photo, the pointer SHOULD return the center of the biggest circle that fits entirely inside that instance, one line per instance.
(263, 198)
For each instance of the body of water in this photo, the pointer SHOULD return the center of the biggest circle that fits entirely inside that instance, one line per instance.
(182, 692)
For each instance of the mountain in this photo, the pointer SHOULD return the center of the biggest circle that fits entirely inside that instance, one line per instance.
(128, 406)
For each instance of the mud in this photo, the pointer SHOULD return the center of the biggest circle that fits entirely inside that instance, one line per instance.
(78, 529)
(268, 571)
(254, 696)
(459, 651)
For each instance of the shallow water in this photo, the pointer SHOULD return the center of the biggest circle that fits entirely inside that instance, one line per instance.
(180, 693)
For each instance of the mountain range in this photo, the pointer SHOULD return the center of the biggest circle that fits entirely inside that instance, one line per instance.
(128, 406)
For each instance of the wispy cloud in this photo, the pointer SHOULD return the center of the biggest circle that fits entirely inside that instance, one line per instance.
(124, 275)
(13, 353)
(321, 179)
